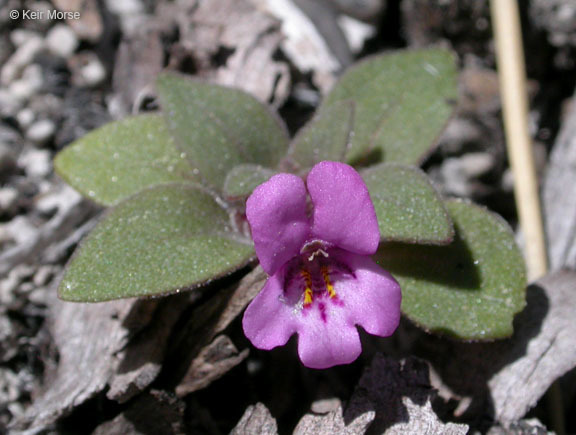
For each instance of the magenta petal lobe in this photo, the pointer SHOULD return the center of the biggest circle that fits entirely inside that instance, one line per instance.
(373, 298)
(276, 211)
(343, 211)
(268, 322)
(327, 343)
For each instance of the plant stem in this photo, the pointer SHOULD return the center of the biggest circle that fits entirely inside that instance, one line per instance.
(512, 75)
(506, 25)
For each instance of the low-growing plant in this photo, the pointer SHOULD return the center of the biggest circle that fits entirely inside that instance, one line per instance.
(176, 185)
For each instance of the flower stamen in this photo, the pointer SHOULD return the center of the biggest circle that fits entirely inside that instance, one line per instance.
(329, 286)
(308, 288)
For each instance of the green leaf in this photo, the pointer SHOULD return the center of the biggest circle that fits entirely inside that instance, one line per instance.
(403, 101)
(162, 240)
(219, 127)
(122, 158)
(408, 207)
(470, 289)
(243, 179)
(326, 137)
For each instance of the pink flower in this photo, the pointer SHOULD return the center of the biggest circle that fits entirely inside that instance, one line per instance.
(322, 280)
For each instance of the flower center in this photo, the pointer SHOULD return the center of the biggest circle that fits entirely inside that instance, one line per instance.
(311, 277)
(310, 288)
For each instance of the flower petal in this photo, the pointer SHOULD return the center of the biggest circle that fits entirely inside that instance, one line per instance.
(329, 341)
(268, 322)
(343, 211)
(373, 299)
(276, 211)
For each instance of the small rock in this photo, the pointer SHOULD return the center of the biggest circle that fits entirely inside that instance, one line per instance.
(507, 183)
(25, 288)
(33, 75)
(21, 230)
(324, 406)
(21, 91)
(460, 174)
(306, 96)
(356, 32)
(36, 163)
(459, 133)
(21, 58)
(477, 164)
(62, 40)
(19, 37)
(9, 105)
(30, 83)
(87, 70)
(455, 178)
(25, 118)
(94, 73)
(129, 13)
(127, 7)
(43, 275)
(38, 296)
(58, 197)
(8, 199)
(41, 131)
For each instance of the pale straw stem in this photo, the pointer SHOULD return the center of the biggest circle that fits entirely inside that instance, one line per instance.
(510, 56)
(511, 71)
